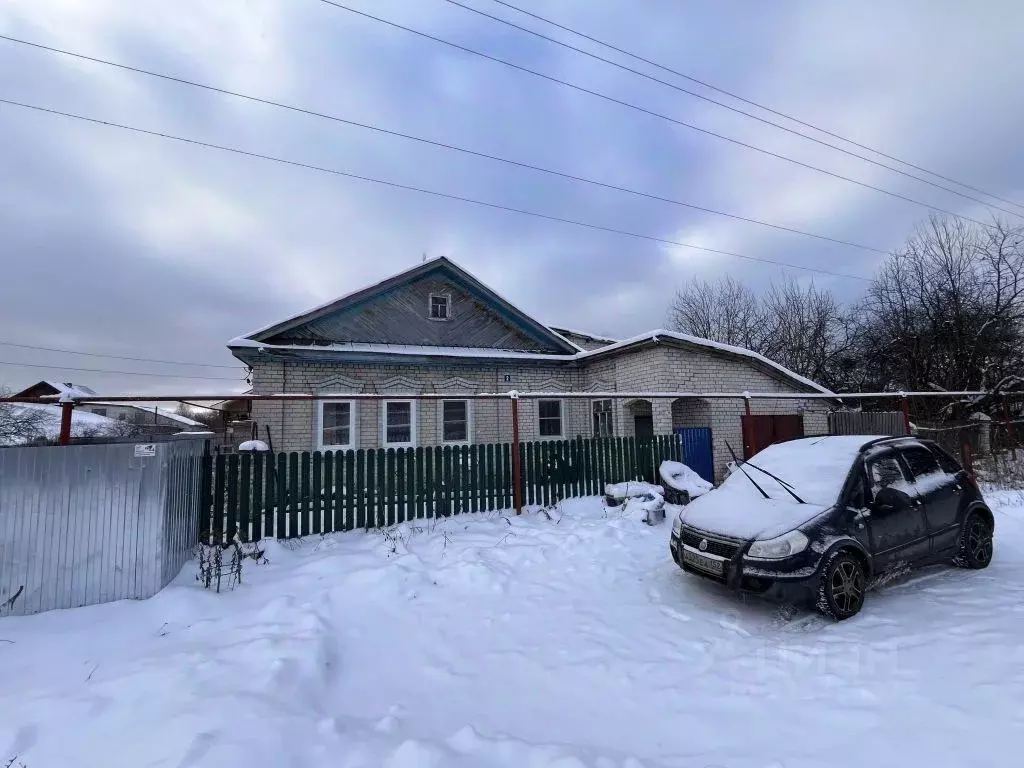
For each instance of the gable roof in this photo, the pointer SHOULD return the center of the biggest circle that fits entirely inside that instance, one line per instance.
(661, 335)
(437, 266)
(57, 388)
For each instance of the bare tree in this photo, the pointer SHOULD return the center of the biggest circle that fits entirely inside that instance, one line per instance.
(725, 311)
(810, 332)
(19, 423)
(805, 329)
(947, 310)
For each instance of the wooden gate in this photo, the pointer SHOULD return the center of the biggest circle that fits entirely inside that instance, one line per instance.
(760, 431)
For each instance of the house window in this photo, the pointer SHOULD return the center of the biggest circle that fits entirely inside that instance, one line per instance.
(440, 306)
(549, 418)
(399, 425)
(602, 418)
(336, 424)
(100, 411)
(455, 421)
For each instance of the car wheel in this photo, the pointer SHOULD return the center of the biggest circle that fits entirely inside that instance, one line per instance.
(975, 543)
(842, 586)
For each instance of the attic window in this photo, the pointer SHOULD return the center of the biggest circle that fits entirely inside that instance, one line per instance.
(440, 306)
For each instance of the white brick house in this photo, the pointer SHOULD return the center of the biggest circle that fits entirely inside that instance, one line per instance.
(436, 329)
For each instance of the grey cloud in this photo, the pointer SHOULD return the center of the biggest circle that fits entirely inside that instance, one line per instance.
(169, 251)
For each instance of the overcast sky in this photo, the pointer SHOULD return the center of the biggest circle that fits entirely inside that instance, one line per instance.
(120, 244)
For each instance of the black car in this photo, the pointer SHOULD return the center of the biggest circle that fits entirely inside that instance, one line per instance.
(815, 520)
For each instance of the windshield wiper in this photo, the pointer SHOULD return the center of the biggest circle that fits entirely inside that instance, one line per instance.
(787, 487)
(739, 466)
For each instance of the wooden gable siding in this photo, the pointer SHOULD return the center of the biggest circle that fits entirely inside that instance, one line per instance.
(401, 316)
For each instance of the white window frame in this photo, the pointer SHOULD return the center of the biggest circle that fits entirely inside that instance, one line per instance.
(353, 422)
(611, 415)
(469, 421)
(413, 423)
(430, 307)
(561, 418)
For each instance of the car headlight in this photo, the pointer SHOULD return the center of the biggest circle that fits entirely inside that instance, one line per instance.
(677, 526)
(782, 546)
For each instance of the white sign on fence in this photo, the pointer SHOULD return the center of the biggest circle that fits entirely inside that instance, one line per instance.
(144, 450)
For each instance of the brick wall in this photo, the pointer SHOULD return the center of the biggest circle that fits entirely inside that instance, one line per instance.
(661, 368)
(293, 424)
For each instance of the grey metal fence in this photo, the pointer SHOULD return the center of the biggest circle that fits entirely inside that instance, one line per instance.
(890, 423)
(88, 524)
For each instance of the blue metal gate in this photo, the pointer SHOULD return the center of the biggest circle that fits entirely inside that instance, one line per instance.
(697, 454)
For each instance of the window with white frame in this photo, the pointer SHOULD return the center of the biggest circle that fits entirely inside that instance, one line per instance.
(399, 423)
(549, 418)
(337, 429)
(455, 421)
(440, 306)
(602, 418)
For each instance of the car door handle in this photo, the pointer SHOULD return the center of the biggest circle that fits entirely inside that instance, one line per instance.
(916, 502)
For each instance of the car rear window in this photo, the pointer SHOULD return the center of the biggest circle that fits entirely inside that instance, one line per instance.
(921, 461)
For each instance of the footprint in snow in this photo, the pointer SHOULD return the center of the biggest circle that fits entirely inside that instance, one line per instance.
(674, 614)
(733, 627)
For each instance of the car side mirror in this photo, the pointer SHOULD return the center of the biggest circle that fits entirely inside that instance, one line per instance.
(889, 500)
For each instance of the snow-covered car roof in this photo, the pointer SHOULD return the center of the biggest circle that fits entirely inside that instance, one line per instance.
(815, 467)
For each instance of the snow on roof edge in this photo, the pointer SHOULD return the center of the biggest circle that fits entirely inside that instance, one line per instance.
(696, 340)
(575, 332)
(409, 349)
(403, 349)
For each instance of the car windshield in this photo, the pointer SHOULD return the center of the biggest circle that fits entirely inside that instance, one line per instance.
(815, 467)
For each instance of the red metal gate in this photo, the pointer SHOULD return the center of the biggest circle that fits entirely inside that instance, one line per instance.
(760, 431)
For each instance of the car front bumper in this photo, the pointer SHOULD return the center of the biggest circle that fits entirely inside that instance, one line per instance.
(793, 580)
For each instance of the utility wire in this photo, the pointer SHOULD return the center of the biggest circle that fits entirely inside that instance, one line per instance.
(118, 357)
(732, 95)
(421, 190)
(120, 373)
(442, 145)
(646, 111)
(733, 109)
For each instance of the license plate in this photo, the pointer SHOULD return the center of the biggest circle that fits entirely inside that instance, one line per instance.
(703, 563)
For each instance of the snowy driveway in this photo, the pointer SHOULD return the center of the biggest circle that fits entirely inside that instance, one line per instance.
(520, 643)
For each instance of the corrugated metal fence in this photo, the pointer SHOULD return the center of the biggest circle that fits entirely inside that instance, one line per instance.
(889, 423)
(93, 523)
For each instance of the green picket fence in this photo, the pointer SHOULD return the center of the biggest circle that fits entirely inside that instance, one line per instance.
(286, 495)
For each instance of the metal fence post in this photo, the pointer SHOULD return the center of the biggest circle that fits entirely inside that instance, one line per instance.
(966, 454)
(65, 422)
(905, 405)
(517, 490)
(748, 443)
(1010, 429)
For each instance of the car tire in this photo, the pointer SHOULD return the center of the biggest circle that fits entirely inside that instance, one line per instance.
(975, 550)
(842, 586)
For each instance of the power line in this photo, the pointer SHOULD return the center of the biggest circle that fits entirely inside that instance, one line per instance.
(646, 111)
(421, 190)
(118, 357)
(120, 373)
(732, 95)
(439, 144)
(730, 108)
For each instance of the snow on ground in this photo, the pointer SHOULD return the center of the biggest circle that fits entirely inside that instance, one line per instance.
(561, 641)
